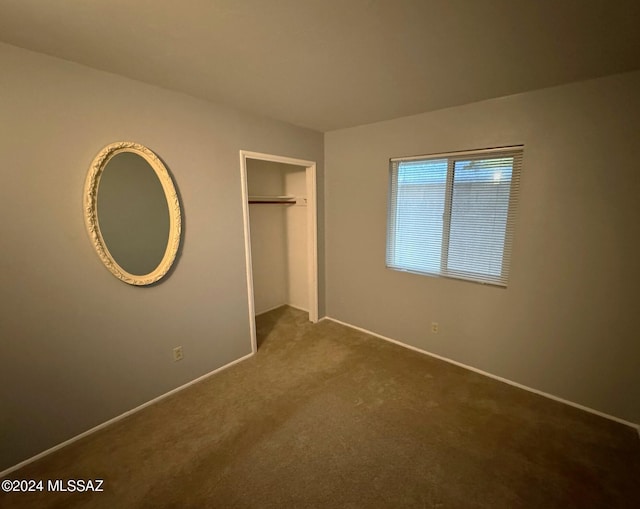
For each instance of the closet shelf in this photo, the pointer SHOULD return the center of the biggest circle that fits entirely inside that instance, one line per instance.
(272, 199)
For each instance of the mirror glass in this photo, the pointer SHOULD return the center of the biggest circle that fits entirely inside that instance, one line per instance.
(132, 213)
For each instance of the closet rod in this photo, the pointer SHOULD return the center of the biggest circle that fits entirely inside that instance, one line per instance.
(273, 199)
(276, 202)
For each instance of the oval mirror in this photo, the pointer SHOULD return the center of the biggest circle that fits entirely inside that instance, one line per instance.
(132, 213)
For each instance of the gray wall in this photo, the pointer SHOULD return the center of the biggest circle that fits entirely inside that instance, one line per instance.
(79, 346)
(568, 322)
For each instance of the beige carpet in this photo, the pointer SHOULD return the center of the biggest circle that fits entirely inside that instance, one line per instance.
(328, 417)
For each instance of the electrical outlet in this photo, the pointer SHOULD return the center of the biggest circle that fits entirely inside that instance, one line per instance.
(435, 328)
(177, 353)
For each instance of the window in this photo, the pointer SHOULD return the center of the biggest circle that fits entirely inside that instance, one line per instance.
(452, 215)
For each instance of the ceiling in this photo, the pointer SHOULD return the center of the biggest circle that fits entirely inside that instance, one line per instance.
(330, 64)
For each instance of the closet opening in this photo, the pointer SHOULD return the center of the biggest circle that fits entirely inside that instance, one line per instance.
(280, 234)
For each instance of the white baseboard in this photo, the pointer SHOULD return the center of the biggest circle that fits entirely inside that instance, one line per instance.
(279, 306)
(490, 375)
(298, 308)
(366, 331)
(119, 417)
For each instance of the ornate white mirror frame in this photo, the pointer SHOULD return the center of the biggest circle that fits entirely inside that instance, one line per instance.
(90, 202)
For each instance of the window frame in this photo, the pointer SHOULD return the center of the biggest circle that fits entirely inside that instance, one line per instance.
(515, 151)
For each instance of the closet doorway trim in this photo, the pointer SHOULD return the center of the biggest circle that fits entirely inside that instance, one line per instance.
(312, 233)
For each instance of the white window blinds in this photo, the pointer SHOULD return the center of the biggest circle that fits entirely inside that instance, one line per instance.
(453, 214)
